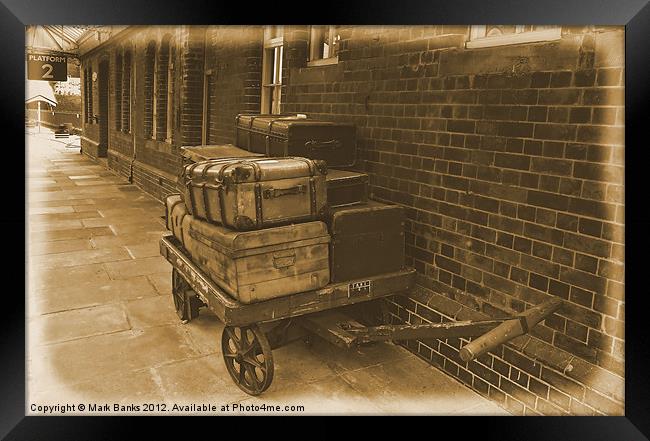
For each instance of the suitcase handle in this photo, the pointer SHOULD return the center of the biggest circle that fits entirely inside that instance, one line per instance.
(270, 193)
(315, 144)
(284, 259)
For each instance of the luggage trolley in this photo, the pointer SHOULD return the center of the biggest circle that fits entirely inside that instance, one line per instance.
(253, 330)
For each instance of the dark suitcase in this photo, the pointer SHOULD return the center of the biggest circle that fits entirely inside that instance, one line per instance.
(253, 266)
(255, 193)
(206, 152)
(367, 240)
(275, 135)
(346, 188)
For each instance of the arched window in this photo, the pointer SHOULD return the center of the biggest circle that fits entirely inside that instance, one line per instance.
(126, 92)
(119, 63)
(149, 80)
(164, 89)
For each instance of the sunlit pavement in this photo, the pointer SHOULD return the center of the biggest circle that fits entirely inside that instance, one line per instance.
(102, 327)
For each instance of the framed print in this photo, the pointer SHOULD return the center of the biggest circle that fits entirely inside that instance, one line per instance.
(368, 212)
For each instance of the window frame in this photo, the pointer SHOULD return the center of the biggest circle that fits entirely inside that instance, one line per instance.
(150, 50)
(312, 61)
(272, 66)
(478, 40)
(119, 62)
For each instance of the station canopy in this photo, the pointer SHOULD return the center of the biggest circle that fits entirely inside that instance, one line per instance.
(57, 38)
(39, 91)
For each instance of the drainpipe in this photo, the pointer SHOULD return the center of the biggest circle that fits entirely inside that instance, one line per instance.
(132, 103)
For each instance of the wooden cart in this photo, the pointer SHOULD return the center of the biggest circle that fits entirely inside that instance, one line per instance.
(253, 330)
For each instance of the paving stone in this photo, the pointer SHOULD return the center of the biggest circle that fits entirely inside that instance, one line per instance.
(52, 278)
(55, 225)
(162, 283)
(98, 356)
(137, 267)
(410, 386)
(85, 257)
(47, 210)
(138, 228)
(61, 246)
(83, 177)
(120, 220)
(198, 380)
(151, 311)
(76, 233)
(329, 396)
(50, 217)
(127, 239)
(60, 203)
(204, 331)
(296, 363)
(132, 387)
(52, 299)
(146, 249)
(69, 325)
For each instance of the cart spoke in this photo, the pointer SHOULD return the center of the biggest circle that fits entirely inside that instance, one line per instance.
(233, 337)
(242, 372)
(255, 383)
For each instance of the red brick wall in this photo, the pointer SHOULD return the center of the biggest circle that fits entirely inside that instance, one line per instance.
(510, 161)
(234, 59)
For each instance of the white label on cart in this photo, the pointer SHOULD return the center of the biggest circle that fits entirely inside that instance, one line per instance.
(356, 288)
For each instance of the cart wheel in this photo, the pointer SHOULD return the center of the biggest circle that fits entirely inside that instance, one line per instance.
(247, 354)
(186, 302)
(179, 287)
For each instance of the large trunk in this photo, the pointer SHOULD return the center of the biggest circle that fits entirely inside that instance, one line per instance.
(255, 193)
(259, 265)
(276, 136)
(367, 240)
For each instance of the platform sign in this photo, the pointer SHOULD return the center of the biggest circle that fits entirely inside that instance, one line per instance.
(47, 67)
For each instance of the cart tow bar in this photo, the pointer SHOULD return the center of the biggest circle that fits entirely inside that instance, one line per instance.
(489, 333)
(509, 329)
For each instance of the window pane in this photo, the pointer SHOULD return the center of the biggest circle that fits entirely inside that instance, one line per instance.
(500, 30)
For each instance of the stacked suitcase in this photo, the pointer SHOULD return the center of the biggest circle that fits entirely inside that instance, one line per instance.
(267, 218)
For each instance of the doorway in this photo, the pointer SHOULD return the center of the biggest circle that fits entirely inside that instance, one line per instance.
(102, 150)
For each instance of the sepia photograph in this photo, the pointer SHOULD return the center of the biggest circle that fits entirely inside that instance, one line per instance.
(325, 220)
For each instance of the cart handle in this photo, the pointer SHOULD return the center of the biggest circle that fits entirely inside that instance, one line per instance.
(509, 329)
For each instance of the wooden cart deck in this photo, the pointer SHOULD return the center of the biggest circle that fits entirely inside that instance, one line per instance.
(233, 313)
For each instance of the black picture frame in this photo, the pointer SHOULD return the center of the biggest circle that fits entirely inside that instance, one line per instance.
(634, 14)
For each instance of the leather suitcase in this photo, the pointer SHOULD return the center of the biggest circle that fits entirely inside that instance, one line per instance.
(175, 211)
(258, 265)
(346, 188)
(367, 240)
(247, 194)
(275, 135)
(207, 152)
